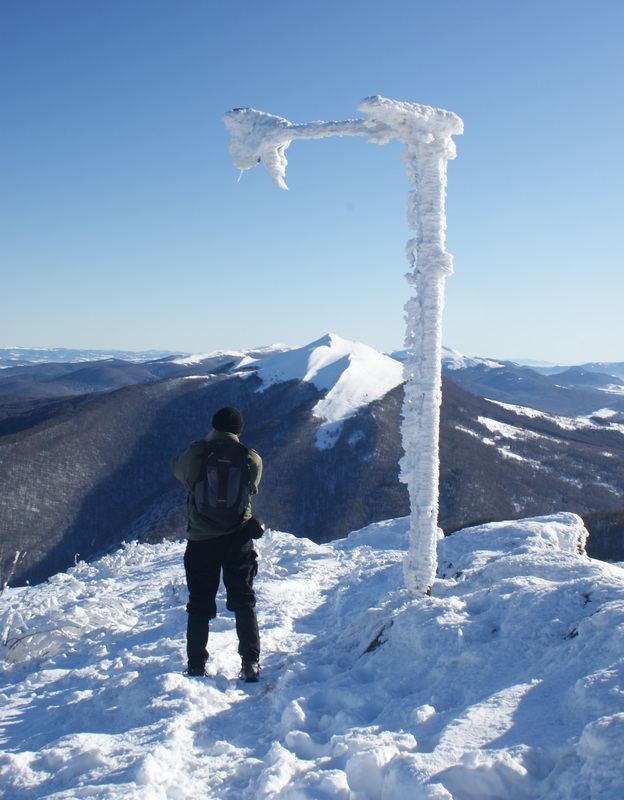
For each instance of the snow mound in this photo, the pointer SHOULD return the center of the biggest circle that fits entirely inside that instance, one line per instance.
(352, 375)
(507, 682)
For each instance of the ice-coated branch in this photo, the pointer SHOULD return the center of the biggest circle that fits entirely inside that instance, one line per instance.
(257, 137)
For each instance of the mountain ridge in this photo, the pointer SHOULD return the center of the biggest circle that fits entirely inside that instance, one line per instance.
(86, 471)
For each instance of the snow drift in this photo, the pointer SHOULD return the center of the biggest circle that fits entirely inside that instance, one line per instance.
(507, 682)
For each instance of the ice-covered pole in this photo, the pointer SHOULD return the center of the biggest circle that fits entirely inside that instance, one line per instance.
(426, 160)
(426, 132)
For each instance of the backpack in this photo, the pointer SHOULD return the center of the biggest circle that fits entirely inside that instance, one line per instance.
(221, 493)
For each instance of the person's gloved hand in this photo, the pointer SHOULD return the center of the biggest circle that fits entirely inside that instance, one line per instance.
(255, 527)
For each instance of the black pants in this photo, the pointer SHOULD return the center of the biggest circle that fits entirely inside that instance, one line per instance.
(203, 561)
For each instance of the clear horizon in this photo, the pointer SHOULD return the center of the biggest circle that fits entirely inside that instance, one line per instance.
(524, 360)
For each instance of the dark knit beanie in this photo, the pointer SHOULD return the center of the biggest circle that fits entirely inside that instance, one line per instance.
(228, 420)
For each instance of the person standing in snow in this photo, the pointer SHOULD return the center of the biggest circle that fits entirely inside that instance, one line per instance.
(216, 545)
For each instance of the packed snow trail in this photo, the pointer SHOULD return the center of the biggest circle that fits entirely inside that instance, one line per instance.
(508, 682)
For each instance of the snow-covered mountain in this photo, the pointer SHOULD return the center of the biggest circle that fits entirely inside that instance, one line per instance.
(308, 410)
(85, 448)
(572, 391)
(351, 375)
(507, 682)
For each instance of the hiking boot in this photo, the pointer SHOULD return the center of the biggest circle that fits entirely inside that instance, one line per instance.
(196, 672)
(197, 668)
(250, 671)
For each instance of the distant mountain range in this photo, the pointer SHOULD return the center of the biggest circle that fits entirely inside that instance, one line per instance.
(589, 389)
(26, 356)
(85, 444)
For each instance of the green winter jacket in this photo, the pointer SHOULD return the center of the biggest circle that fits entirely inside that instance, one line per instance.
(186, 467)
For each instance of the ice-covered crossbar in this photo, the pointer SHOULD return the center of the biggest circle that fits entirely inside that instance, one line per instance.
(257, 137)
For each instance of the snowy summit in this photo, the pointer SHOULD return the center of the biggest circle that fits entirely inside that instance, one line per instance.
(352, 375)
(507, 682)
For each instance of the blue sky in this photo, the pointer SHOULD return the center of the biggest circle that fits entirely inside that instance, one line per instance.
(125, 225)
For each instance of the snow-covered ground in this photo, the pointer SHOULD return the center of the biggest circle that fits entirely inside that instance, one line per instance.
(506, 683)
(595, 421)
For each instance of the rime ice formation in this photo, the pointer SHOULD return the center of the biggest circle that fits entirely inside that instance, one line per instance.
(257, 137)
